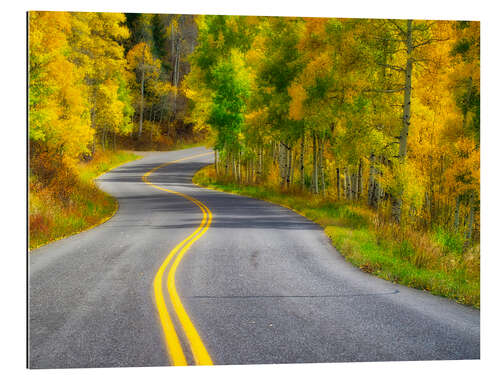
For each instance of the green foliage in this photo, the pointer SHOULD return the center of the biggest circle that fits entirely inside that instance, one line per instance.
(229, 105)
(125, 96)
(224, 77)
(461, 47)
(448, 240)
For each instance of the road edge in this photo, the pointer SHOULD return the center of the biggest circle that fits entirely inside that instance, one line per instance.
(102, 221)
(331, 242)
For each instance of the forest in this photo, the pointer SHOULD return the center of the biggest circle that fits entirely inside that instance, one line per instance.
(383, 111)
(378, 116)
(99, 83)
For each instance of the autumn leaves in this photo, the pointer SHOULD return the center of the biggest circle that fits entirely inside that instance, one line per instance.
(384, 112)
(391, 100)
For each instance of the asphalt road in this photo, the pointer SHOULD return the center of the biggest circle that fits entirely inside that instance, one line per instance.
(262, 285)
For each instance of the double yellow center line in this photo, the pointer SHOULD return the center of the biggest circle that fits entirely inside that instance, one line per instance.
(200, 353)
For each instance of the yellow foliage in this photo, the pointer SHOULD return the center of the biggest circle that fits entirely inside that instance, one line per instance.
(58, 115)
(298, 95)
(201, 98)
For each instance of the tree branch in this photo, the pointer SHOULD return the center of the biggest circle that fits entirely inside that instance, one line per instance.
(387, 91)
(393, 67)
(429, 41)
(390, 144)
(285, 145)
(403, 33)
(390, 39)
(424, 26)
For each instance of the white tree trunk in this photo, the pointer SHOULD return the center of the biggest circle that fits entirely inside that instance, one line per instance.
(302, 175)
(403, 136)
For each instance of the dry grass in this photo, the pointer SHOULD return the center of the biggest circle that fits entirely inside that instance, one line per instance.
(68, 201)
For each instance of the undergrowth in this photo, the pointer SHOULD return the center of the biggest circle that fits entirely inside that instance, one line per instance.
(68, 201)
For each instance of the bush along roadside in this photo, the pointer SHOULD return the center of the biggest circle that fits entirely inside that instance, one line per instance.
(428, 260)
(68, 201)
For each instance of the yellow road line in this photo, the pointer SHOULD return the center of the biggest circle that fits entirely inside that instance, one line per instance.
(200, 353)
(172, 341)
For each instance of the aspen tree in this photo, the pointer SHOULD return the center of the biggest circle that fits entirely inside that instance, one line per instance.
(147, 69)
(58, 122)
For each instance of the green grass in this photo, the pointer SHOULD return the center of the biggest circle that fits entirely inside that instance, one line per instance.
(398, 262)
(431, 261)
(451, 242)
(72, 203)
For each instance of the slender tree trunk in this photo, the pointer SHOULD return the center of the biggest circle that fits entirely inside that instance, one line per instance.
(315, 165)
(380, 193)
(93, 126)
(239, 167)
(141, 113)
(396, 201)
(215, 164)
(354, 185)
(407, 93)
(427, 209)
(403, 136)
(371, 183)
(235, 172)
(376, 194)
(254, 169)
(348, 184)
(280, 163)
(177, 77)
(302, 175)
(286, 157)
(249, 170)
(162, 108)
(468, 241)
(432, 206)
(176, 80)
(321, 166)
(457, 213)
(260, 163)
(251, 166)
(172, 50)
(289, 167)
(283, 162)
(103, 139)
(360, 179)
(292, 167)
(338, 184)
(151, 134)
(346, 194)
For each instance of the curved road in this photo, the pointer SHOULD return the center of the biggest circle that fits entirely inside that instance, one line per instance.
(262, 285)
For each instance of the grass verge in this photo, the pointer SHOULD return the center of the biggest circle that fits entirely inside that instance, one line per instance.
(431, 261)
(72, 203)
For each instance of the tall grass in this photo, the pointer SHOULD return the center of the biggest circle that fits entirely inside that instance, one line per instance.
(71, 202)
(429, 260)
